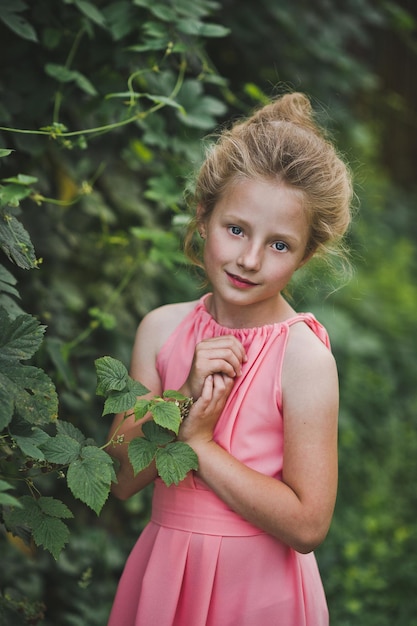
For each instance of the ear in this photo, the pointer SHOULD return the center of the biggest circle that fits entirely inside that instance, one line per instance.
(201, 222)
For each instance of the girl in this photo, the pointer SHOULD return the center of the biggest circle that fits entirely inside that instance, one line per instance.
(232, 544)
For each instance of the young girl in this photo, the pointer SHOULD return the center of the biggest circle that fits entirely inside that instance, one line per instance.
(232, 544)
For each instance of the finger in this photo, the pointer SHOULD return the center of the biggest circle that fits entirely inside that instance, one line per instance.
(228, 342)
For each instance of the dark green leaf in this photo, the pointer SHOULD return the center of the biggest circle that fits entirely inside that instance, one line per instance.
(141, 453)
(19, 338)
(43, 517)
(61, 449)
(119, 17)
(174, 461)
(202, 29)
(91, 11)
(15, 241)
(157, 434)
(51, 533)
(56, 350)
(112, 375)
(54, 508)
(119, 402)
(6, 402)
(66, 428)
(34, 394)
(7, 280)
(19, 25)
(29, 439)
(136, 387)
(89, 477)
(5, 498)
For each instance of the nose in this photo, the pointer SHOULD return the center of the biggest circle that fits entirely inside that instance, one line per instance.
(250, 257)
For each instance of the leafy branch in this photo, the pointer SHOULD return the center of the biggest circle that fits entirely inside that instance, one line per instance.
(174, 459)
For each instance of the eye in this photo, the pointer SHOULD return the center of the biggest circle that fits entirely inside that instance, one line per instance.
(235, 230)
(280, 246)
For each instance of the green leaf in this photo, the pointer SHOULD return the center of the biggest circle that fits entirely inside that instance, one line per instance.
(174, 395)
(136, 387)
(164, 100)
(12, 193)
(157, 434)
(54, 508)
(52, 534)
(17, 23)
(65, 75)
(141, 452)
(15, 241)
(5, 152)
(119, 402)
(21, 179)
(89, 477)
(174, 461)
(61, 449)
(84, 84)
(6, 403)
(201, 111)
(19, 338)
(7, 280)
(120, 19)
(34, 393)
(24, 389)
(112, 375)
(56, 350)
(141, 408)
(29, 439)
(5, 498)
(91, 12)
(66, 428)
(167, 415)
(44, 518)
(202, 29)
(164, 13)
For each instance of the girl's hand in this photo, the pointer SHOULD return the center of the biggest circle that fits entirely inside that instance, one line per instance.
(219, 355)
(204, 413)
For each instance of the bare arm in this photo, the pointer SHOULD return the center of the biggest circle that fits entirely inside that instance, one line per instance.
(142, 369)
(220, 354)
(298, 509)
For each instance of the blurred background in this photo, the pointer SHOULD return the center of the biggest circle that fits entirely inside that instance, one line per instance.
(104, 104)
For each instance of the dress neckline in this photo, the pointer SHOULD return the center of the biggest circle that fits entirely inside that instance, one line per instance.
(202, 307)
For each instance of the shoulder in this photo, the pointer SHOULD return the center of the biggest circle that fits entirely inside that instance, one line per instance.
(309, 366)
(160, 323)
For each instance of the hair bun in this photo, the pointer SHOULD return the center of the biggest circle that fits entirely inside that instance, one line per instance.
(293, 107)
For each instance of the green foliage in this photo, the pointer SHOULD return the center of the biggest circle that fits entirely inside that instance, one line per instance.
(174, 459)
(97, 211)
(44, 518)
(102, 105)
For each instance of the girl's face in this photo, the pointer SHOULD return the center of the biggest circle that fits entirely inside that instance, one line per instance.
(256, 237)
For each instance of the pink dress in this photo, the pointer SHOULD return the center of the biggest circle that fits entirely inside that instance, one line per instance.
(197, 563)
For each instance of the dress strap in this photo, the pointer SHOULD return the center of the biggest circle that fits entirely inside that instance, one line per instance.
(317, 328)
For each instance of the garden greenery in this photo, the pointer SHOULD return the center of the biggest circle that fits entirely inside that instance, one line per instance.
(103, 105)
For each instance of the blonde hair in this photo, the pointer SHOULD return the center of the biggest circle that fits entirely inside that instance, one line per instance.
(282, 143)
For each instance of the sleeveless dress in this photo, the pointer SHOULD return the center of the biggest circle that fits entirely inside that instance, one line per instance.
(197, 563)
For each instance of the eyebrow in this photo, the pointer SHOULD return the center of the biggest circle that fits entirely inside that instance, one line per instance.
(275, 237)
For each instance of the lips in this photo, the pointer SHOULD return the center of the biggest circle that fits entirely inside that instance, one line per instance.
(239, 281)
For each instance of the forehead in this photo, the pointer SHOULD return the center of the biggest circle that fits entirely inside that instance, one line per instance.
(272, 199)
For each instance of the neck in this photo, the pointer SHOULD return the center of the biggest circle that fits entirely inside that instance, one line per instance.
(248, 316)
